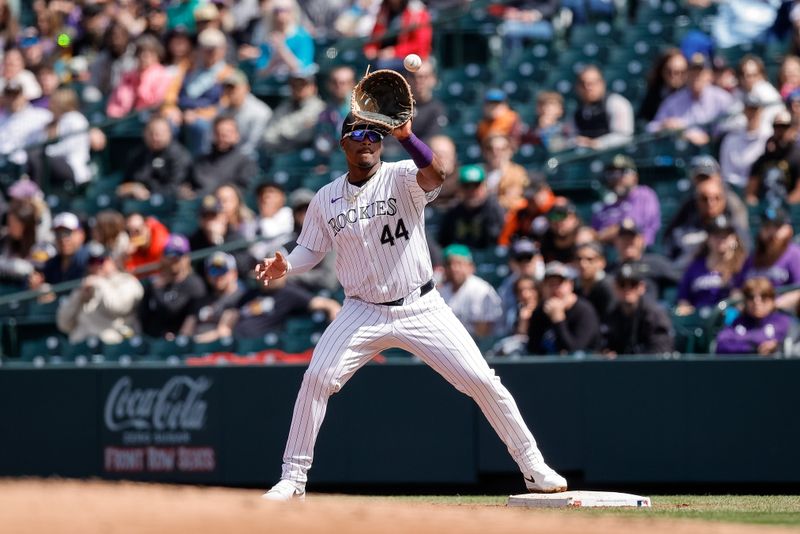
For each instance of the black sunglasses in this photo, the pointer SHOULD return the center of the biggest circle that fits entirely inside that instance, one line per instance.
(359, 135)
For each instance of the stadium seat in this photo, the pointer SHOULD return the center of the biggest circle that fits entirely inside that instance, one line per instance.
(133, 348)
(250, 345)
(162, 349)
(225, 344)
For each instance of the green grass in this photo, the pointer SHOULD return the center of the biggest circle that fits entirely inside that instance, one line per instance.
(756, 509)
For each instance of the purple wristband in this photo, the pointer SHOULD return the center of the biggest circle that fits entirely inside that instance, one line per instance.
(418, 150)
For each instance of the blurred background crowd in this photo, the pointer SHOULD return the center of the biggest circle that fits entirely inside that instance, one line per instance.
(622, 174)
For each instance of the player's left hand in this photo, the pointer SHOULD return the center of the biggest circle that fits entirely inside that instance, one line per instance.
(272, 268)
(403, 131)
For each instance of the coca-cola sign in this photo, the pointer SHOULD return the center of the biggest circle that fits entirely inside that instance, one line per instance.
(177, 405)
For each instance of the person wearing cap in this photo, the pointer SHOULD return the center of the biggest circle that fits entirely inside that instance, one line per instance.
(476, 304)
(602, 120)
(659, 272)
(104, 306)
(21, 124)
(145, 86)
(294, 121)
(224, 163)
(558, 240)
(499, 118)
(711, 277)
(524, 259)
(563, 322)
(593, 283)
(213, 229)
(201, 91)
(505, 179)
(159, 166)
(776, 256)
(249, 112)
(775, 176)
(173, 293)
(635, 324)
(477, 218)
(148, 237)
(760, 328)
(527, 219)
(709, 198)
(742, 147)
(696, 106)
(70, 261)
(281, 43)
(209, 15)
(216, 312)
(631, 200)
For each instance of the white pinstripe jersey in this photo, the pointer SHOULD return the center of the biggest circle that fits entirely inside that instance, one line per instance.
(377, 231)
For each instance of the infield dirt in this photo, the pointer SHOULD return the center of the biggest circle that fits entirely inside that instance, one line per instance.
(55, 506)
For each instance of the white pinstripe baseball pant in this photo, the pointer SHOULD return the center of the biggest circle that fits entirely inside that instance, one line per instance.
(427, 328)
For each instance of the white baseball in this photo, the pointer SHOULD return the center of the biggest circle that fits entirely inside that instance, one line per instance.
(412, 62)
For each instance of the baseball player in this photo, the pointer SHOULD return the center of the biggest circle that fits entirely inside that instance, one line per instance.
(373, 217)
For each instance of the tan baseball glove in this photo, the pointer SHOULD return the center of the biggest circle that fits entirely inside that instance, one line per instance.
(383, 98)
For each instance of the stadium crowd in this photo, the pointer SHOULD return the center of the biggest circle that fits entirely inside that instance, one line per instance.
(223, 93)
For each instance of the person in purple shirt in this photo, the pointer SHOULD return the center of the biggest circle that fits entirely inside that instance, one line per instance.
(694, 106)
(775, 257)
(760, 329)
(632, 201)
(710, 278)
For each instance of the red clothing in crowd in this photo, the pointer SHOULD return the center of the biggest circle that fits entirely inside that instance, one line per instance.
(415, 35)
(152, 252)
(138, 90)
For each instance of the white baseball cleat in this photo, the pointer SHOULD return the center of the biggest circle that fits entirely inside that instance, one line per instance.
(285, 490)
(545, 480)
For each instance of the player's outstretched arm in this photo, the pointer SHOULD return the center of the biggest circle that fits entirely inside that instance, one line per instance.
(272, 268)
(431, 174)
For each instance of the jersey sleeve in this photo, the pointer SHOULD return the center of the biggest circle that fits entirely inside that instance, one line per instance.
(314, 235)
(407, 172)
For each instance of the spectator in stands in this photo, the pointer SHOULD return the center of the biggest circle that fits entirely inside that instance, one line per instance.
(213, 229)
(445, 149)
(20, 123)
(216, 312)
(549, 129)
(250, 113)
(753, 82)
(687, 231)
(66, 159)
(505, 179)
(775, 257)
(69, 263)
(210, 15)
(16, 244)
(523, 21)
(265, 309)
(173, 293)
(275, 223)
(408, 25)
(602, 120)
(563, 322)
(524, 259)
(760, 329)
(148, 237)
(294, 121)
(711, 277)
(179, 58)
(282, 44)
(144, 87)
(358, 19)
(789, 75)
(636, 324)
(477, 218)
(49, 81)
(774, 176)
(526, 295)
(158, 167)
(341, 81)
(14, 71)
(104, 305)
(9, 25)
(225, 163)
(593, 283)
(667, 76)
(26, 190)
(631, 201)
(527, 218)
(241, 218)
(499, 118)
(473, 300)
(108, 229)
(117, 56)
(558, 240)
(430, 113)
(793, 104)
(202, 89)
(694, 107)
(658, 272)
(741, 148)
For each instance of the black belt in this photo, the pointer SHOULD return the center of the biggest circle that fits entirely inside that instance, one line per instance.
(423, 290)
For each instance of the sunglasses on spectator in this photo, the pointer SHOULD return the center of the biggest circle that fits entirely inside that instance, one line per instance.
(628, 284)
(359, 135)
